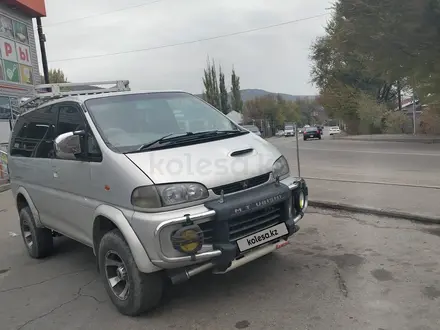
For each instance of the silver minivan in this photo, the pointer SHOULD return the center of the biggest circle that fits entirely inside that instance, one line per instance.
(161, 185)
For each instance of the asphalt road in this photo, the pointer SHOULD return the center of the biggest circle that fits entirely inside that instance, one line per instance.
(341, 271)
(394, 162)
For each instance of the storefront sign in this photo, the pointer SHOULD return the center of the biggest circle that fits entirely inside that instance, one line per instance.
(15, 55)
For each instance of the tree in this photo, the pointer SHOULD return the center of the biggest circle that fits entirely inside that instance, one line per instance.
(211, 93)
(373, 50)
(272, 108)
(396, 39)
(236, 101)
(57, 76)
(224, 98)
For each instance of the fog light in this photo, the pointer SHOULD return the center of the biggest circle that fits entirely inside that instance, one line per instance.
(301, 200)
(290, 210)
(188, 239)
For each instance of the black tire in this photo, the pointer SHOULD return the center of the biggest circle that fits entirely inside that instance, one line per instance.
(144, 291)
(319, 137)
(38, 241)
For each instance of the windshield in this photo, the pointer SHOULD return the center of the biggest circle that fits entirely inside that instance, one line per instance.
(129, 121)
(310, 129)
(289, 127)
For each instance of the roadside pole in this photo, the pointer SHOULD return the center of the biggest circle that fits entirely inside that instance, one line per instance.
(297, 150)
(414, 107)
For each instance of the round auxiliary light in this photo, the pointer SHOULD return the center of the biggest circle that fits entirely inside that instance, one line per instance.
(301, 200)
(188, 239)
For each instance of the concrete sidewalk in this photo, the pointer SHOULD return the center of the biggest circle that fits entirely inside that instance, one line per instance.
(419, 204)
(390, 138)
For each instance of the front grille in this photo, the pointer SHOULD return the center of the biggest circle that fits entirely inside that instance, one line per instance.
(248, 224)
(241, 185)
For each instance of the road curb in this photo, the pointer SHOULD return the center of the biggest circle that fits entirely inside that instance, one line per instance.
(374, 211)
(411, 140)
(5, 187)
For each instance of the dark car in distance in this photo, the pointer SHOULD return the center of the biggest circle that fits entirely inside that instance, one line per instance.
(312, 133)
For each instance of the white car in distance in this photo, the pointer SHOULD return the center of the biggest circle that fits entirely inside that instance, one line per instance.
(334, 130)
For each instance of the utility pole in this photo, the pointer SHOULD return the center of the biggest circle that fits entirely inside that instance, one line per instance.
(399, 95)
(414, 105)
(42, 39)
(297, 150)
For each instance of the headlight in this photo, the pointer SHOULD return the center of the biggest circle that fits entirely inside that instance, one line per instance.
(280, 168)
(168, 194)
(188, 239)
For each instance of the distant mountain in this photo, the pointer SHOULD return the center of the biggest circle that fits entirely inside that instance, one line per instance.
(250, 94)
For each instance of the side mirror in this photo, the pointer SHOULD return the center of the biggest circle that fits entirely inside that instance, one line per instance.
(68, 145)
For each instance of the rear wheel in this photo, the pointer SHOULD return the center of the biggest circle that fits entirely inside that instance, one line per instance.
(131, 291)
(38, 241)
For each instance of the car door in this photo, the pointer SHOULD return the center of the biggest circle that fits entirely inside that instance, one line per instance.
(72, 181)
(30, 152)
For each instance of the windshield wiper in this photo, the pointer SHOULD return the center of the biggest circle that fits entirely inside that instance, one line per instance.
(175, 138)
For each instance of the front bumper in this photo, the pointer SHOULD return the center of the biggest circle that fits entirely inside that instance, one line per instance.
(222, 248)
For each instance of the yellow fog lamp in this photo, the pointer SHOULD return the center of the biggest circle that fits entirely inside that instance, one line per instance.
(188, 239)
(301, 200)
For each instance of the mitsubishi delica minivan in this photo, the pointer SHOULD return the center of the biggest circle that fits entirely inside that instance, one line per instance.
(161, 185)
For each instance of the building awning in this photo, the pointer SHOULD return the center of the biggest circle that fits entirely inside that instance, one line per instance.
(33, 8)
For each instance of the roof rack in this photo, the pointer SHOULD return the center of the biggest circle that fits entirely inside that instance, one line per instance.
(48, 92)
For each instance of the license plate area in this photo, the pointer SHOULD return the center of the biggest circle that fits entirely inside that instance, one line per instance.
(262, 237)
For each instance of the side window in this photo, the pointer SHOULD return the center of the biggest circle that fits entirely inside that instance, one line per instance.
(93, 150)
(70, 119)
(17, 147)
(34, 133)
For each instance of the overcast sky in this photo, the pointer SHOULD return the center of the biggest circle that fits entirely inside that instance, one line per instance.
(273, 59)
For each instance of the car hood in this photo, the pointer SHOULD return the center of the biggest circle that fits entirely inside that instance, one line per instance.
(212, 163)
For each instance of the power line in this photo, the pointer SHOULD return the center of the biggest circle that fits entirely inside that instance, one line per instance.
(190, 41)
(105, 13)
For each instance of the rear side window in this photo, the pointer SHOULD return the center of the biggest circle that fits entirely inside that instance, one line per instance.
(33, 134)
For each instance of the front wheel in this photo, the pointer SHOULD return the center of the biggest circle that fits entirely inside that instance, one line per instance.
(131, 291)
